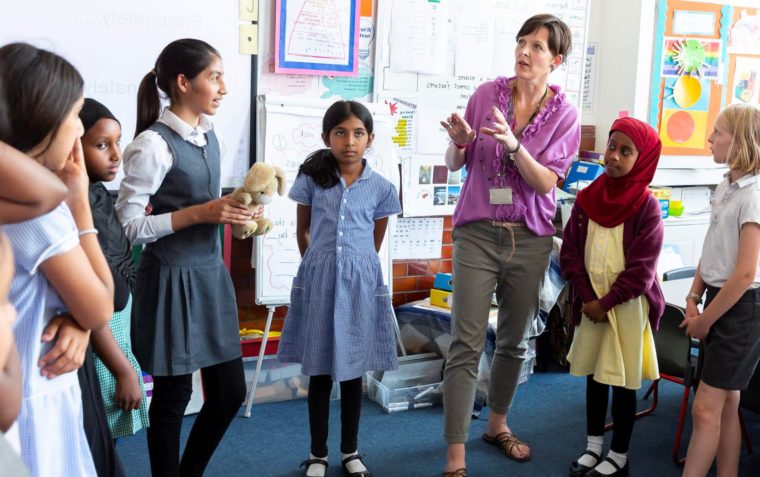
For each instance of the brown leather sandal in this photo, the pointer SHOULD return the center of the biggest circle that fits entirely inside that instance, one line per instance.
(506, 442)
(456, 473)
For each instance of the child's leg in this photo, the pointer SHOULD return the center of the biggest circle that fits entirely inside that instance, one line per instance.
(597, 395)
(706, 413)
(319, 413)
(350, 412)
(730, 443)
(224, 390)
(167, 407)
(623, 415)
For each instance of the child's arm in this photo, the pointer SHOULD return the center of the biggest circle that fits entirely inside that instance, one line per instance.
(698, 288)
(572, 257)
(128, 391)
(67, 354)
(218, 211)
(81, 275)
(640, 259)
(10, 390)
(28, 188)
(380, 226)
(738, 283)
(303, 227)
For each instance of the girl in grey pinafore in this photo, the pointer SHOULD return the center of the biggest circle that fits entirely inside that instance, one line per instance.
(185, 305)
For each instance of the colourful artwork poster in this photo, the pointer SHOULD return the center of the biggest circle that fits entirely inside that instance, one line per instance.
(745, 34)
(746, 81)
(686, 92)
(317, 37)
(683, 129)
(691, 56)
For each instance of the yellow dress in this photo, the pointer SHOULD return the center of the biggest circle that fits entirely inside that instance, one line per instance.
(621, 352)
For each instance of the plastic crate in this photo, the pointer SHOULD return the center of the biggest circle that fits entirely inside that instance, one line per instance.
(415, 384)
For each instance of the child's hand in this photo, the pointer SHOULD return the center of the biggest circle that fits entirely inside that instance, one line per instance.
(594, 311)
(128, 392)
(225, 211)
(71, 342)
(459, 131)
(74, 175)
(695, 326)
(501, 130)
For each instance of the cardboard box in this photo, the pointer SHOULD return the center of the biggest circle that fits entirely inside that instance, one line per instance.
(441, 298)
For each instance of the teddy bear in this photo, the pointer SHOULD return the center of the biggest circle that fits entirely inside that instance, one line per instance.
(259, 185)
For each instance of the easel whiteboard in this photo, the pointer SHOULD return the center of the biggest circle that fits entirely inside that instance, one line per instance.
(473, 41)
(290, 129)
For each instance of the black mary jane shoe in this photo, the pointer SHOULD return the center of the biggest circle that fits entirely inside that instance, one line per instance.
(619, 471)
(580, 470)
(346, 472)
(305, 464)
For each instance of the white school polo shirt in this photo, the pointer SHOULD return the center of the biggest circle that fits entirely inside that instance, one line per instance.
(734, 205)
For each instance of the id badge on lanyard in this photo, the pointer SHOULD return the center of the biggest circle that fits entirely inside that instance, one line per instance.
(500, 195)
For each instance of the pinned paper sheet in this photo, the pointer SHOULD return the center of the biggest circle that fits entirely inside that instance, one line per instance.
(249, 10)
(249, 39)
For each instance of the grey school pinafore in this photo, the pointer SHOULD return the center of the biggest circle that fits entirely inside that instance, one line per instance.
(185, 314)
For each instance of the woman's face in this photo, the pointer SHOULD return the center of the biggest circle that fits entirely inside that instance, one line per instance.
(620, 156)
(533, 58)
(54, 157)
(720, 140)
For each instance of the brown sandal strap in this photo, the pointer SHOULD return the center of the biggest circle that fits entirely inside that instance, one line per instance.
(456, 473)
(507, 442)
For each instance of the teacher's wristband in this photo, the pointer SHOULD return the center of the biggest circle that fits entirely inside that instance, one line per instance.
(459, 146)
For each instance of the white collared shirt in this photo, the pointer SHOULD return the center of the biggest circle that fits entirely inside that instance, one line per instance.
(147, 160)
(734, 205)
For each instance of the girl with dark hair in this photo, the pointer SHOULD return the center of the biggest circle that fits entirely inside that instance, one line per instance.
(340, 321)
(185, 313)
(44, 96)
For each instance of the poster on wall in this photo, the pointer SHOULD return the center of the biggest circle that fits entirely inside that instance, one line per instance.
(429, 188)
(317, 37)
(746, 79)
(691, 56)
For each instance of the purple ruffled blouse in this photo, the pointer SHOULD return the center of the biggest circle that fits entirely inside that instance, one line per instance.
(552, 138)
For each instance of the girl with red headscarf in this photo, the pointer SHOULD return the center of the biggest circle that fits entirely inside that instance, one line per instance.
(609, 253)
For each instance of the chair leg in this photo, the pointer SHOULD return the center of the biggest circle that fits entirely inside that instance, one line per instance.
(677, 460)
(745, 435)
(653, 388)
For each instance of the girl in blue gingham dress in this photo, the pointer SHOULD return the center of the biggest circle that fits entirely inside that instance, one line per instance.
(340, 321)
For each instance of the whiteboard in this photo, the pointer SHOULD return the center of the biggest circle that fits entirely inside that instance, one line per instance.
(114, 44)
(291, 129)
(420, 100)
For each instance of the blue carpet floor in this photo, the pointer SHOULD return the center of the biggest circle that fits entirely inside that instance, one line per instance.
(548, 413)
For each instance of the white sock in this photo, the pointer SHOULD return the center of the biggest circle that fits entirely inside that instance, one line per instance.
(594, 444)
(605, 468)
(316, 470)
(354, 466)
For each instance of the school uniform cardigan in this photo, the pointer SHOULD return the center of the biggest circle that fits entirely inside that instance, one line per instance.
(642, 242)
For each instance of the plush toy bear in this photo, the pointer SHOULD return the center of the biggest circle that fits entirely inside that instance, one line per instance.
(260, 184)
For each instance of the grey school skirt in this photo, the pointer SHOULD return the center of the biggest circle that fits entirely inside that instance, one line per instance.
(732, 348)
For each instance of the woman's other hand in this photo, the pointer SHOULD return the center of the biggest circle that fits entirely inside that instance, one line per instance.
(459, 131)
(500, 130)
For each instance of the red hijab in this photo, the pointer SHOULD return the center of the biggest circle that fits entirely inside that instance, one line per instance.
(611, 201)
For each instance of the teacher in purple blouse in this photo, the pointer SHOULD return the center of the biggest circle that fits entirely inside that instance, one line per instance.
(516, 139)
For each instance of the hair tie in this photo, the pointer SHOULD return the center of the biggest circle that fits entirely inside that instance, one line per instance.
(153, 72)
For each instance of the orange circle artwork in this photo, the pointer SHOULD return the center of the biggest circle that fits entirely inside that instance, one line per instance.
(680, 126)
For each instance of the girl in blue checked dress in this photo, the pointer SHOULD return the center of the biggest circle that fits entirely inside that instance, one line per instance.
(339, 324)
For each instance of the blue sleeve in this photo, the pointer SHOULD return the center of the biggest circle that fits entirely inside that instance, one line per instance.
(388, 203)
(302, 189)
(43, 237)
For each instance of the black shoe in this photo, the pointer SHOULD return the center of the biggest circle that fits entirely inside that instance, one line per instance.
(619, 472)
(348, 459)
(580, 470)
(305, 464)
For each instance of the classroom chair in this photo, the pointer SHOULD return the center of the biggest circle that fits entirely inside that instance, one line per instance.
(750, 400)
(675, 274)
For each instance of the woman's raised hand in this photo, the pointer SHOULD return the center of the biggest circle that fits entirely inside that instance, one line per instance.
(500, 130)
(459, 131)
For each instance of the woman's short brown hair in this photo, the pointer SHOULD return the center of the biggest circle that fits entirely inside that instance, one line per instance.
(560, 37)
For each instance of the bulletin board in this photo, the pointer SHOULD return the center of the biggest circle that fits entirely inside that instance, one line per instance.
(706, 56)
(430, 58)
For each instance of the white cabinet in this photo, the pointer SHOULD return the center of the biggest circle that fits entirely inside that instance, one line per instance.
(682, 242)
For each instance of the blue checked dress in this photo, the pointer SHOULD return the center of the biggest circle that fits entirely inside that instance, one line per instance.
(53, 443)
(340, 319)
